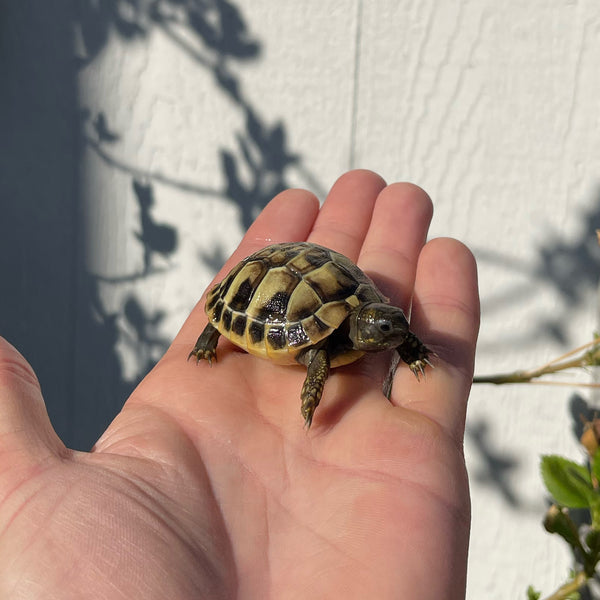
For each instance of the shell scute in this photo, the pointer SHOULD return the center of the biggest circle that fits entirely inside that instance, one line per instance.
(297, 336)
(331, 283)
(272, 295)
(315, 328)
(256, 332)
(366, 292)
(277, 254)
(275, 337)
(239, 325)
(239, 292)
(304, 302)
(333, 313)
(309, 259)
(216, 310)
(220, 289)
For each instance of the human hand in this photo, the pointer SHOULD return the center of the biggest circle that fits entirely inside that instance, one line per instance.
(207, 485)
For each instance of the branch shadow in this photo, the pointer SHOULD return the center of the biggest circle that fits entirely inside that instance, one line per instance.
(497, 467)
(52, 308)
(569, 268)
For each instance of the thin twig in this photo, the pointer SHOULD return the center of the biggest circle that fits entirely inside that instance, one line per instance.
(572, 586)
(590, 344)
(588, 358)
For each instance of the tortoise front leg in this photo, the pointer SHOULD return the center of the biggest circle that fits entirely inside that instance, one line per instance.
(415, 354)
(317, 361)
(206, 346)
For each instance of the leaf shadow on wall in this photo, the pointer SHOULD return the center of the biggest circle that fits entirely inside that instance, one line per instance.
(51, 307)
(496, 467)
(213, 34)
(564, 267)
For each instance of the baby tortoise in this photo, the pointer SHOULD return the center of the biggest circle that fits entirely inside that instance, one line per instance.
(298, 302)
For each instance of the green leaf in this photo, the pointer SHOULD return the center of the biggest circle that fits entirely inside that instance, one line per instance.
(569, 483)
(532, 594)
(595, 511)
(595, 464)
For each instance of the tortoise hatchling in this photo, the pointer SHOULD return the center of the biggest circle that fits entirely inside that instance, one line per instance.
(298, 302)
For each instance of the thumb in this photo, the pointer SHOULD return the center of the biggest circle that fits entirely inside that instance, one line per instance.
(26, 435)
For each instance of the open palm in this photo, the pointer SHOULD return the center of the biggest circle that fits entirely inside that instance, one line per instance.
(207, 485)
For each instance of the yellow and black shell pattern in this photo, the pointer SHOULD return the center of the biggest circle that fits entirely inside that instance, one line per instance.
(286, 298)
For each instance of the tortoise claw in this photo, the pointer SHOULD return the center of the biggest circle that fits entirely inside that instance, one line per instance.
(418, 367)
(308, 421)
(203, 354)
(309, 404)
(206, 346)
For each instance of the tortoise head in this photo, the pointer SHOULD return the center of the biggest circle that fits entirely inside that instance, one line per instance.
(377, 326)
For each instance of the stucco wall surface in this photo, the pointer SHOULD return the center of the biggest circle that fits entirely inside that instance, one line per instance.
(162, 128)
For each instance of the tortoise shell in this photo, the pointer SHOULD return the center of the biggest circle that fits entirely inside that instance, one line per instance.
(288, 297)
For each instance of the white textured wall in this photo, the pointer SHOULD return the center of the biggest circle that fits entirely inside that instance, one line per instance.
(492, 107)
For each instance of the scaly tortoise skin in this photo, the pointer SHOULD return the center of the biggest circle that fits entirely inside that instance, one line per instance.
(298, 302)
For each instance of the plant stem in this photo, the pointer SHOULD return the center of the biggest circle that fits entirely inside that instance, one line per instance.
(568, 588)
(588, 358)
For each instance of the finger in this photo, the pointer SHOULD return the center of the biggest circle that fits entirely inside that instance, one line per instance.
(396, 234)
(344, 219)
(446, 318)
(26, 435)
(390, 251)
(288, 217)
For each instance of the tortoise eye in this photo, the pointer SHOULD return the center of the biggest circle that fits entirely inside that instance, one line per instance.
(385, 327)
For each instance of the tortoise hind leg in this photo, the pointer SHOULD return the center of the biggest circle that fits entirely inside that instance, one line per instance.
(206, 346)
(317, 361)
